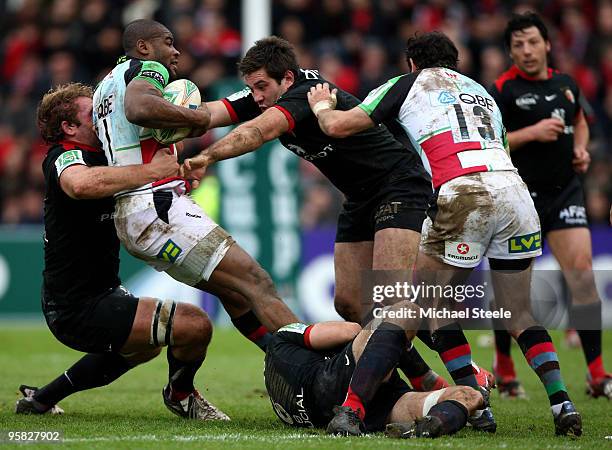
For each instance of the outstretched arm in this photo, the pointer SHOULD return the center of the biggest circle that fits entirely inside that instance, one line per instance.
(243, 139)
(334, 123)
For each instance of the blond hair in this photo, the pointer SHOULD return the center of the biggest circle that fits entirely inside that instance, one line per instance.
(58, 105)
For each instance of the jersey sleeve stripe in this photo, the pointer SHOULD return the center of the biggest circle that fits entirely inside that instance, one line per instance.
(288, 116)
(374, 97)
(307, 336)
(230, 110)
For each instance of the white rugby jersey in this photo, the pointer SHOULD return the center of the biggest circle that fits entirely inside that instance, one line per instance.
(124, 142)
(452, 121)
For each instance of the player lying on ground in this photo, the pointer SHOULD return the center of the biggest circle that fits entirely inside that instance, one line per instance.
(308, 370)
(83, 302)
(481, 207)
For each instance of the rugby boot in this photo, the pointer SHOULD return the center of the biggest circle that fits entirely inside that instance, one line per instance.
(509, 387)
(27, 404)
(568, 421)
(600, 387)
(484, 378)
(482, 419)
(345, 422)
(194, 406)
(427, 427)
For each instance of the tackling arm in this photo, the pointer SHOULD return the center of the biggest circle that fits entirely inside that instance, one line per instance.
(86, 182)
(145, 106)
(244, 139)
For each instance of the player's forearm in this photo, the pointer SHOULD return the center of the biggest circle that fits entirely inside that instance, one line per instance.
(101, 182)
(518, 138)
(581, 132)
(153, 111)
(243, 139)
(327, 335)
(332, 124)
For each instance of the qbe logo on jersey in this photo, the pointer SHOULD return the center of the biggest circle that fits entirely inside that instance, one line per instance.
(461, 253)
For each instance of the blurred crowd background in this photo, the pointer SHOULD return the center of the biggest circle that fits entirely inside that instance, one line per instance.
(357, 44)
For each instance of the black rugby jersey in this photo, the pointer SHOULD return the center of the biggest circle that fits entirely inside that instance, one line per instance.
(523, 102)
(81, 245)
(291, 373)
(357, 165)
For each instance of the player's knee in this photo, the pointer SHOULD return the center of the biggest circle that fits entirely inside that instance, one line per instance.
(581, 263)
(192, 327)
(346, 308)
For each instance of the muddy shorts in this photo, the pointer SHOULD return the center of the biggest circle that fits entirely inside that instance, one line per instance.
(482, 214)
(171, 233)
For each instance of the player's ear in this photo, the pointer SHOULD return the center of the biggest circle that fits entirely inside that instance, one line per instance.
(143, 47)
(68, 128)
(547, 46)
(413, 66)
(289, 78)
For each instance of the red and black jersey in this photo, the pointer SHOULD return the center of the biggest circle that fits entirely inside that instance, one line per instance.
(523, 102)
(81, 245)
(357, 165)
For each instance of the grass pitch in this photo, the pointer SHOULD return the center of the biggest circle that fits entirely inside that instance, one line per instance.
(130, 413)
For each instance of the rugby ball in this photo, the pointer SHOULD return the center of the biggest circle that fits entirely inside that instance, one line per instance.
(181, 93)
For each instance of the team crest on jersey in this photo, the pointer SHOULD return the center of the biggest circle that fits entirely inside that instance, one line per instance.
(170, 251)
(569, 94)
(68, 159)
(525, 243)
(295, 328)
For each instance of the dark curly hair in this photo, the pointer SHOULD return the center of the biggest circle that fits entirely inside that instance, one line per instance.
(274, 54)
(520, 22)
(432, 49)
(58, 105)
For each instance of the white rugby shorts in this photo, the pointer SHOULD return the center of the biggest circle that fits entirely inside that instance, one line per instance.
(482, 214)
(188, 247)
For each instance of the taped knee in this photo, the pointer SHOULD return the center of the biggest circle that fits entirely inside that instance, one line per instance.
(161, 323)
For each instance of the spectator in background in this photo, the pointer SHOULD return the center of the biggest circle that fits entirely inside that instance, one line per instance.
(42, 43)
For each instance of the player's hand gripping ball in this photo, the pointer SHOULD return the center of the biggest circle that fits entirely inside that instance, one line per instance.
(181, 93)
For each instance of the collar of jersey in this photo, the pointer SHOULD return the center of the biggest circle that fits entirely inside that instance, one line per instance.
(72, 144)
(522, 74)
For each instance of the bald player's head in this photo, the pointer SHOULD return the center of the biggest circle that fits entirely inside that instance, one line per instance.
(141, 29)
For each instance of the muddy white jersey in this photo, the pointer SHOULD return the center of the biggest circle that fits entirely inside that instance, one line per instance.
(452, 121)
(123, 142)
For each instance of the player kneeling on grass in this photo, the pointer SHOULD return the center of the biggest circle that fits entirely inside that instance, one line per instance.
(84, 304)
(309, 369)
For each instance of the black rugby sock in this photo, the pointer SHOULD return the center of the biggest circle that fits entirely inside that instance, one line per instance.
(91, 371)
(249, 326)
(181, 374)
(586, 319)
(451, 413)
(380, 356)
(503, 366)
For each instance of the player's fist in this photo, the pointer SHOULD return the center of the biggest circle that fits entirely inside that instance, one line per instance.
(548, 130)
(581, 160)
(320, 97)
(164, 164)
